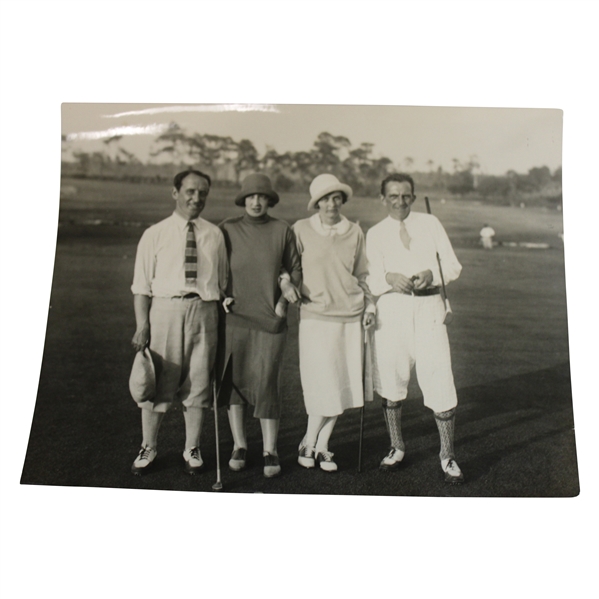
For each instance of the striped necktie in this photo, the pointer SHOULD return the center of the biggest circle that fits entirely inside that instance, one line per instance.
(404, 235)
(191, 257)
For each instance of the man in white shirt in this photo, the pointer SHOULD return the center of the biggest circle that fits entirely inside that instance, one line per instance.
(180, 275)
(486, 236)
(404, 274)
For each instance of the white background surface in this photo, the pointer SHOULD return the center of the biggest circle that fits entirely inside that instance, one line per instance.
(79, 542)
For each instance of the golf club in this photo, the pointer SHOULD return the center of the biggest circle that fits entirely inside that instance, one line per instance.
(448, 311)
(368, 391)
(218, 485)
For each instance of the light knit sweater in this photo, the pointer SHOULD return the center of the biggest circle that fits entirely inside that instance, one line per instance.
(334, 269)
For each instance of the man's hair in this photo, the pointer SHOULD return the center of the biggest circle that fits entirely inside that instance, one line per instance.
(399, 178)
(178, 180)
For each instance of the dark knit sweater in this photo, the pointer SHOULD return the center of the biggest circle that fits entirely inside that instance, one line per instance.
(257, 249)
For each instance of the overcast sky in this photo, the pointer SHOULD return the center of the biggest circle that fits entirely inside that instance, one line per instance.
(501, 138)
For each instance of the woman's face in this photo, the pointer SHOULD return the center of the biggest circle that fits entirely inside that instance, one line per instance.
(256, 205)
(329, 207)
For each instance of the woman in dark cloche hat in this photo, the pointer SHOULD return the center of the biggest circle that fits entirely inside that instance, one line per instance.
(263, 260)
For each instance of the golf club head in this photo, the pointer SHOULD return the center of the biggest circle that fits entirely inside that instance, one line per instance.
(448, 313)
(217, 486)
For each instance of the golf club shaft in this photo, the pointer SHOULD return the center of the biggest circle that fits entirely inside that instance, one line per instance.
(216, 391)
(362, 408)
(445, 300)
(218, 484)
(361, 436)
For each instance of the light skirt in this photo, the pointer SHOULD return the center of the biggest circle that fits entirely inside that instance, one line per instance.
(330, 355)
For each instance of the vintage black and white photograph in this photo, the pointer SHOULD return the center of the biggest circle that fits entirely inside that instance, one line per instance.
(308, 299)
(396, 205)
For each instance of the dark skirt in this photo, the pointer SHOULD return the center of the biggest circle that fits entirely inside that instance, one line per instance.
(256, 363)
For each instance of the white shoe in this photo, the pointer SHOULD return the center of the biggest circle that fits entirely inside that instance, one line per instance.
(193, 460)
(393, 459)
(272, 466)
(144, 460)
(453, 474)
(305, 457)
(325, 461)
(237, 461)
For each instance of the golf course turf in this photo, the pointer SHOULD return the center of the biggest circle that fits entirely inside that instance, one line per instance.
(509, 342)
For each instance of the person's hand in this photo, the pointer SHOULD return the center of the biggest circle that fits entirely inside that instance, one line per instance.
(141, 339)
(227, 302)
(368, 320)
(281, 309)
(290, 291)
(399, 282)
(423, 279)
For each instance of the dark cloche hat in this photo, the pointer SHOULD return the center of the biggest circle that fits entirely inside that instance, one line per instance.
(257, 183)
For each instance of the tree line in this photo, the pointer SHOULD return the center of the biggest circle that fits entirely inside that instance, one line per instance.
(228, 161)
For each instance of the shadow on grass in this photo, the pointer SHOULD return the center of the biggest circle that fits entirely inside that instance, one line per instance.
(514, 437)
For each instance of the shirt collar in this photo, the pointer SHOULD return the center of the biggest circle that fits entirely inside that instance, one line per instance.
(397, 223)
(337, 229)
(182, 222)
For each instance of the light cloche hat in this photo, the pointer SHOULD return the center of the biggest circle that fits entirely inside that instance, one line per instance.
(325, 184)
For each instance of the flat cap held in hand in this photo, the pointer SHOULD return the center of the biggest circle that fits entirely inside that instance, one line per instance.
(142, 382)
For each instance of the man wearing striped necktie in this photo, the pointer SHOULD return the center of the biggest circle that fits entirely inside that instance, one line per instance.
(180, 275)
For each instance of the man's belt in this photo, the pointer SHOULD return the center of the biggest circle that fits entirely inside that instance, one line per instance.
(186, 296)
(425, 292)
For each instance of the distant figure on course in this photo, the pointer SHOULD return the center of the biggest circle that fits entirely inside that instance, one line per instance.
(486, 236)
(260, 247)
(404, 274)
(180, 275)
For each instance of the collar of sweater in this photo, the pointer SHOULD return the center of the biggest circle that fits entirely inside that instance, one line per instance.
(339, 228)
(255, 220)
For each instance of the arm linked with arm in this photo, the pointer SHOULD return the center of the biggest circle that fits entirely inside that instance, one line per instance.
(223, 266)
(290, 276)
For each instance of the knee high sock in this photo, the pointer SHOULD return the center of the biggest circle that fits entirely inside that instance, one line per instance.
(446, 425)
(392, 413)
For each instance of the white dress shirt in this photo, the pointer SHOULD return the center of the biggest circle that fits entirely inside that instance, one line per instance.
(160, 261)
(387, 254)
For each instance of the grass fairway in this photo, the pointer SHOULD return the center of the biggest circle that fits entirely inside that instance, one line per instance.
(514, 434)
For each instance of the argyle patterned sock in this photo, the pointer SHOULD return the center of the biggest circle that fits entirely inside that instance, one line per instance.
(392, 413)
(446, 425)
